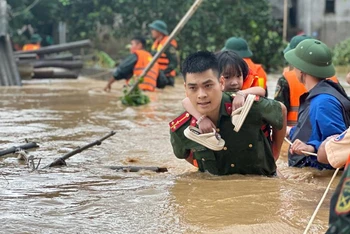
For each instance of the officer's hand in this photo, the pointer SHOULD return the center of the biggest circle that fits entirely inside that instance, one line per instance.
(237, 102)
(108, 87)
(298, 146)
(206, 125)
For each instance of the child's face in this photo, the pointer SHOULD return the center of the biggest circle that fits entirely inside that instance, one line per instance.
(232, 83)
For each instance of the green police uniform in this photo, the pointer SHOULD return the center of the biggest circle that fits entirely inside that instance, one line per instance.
(245, 152)
(282, 92)
(339, 217)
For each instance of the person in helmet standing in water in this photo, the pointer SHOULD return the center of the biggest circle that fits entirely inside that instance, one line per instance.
(324, 108)
(168, 60)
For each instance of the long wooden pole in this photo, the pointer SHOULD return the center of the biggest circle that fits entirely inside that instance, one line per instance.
(320, 203)
(176, 30)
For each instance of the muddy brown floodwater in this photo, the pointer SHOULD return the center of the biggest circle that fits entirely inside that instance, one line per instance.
(87, 197)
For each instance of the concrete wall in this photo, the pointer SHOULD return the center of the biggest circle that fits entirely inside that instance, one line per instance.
(330, 28)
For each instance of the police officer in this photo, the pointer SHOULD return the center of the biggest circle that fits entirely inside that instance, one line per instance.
(240, 46)
(168, 60)
(246, 151)
(324, 109)
(288, 88)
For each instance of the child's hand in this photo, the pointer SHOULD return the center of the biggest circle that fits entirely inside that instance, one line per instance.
(237, 102)
(206, 125)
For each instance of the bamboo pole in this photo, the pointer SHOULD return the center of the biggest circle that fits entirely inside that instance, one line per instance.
(285, 19)
(177, 29)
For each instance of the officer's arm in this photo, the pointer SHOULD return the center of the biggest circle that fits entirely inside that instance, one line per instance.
(171, 55)
(278, 134)
(282, 92)
(126, 67)
(275, 114)
(178, 146)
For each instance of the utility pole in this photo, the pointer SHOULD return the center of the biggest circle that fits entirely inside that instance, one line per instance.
(285, 19)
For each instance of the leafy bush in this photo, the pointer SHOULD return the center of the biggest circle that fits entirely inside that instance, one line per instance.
(208, 29)
(341, 52)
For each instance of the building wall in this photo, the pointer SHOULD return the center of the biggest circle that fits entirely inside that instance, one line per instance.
(329, 28)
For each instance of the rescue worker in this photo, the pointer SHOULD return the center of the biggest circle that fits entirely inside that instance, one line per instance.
(339, 216)
(168, 60)
(240, 46)
(288, 88)
(134, 64)
(246, 151)
(34, 44)
(335, 150)
(338, 153)
(324, 109)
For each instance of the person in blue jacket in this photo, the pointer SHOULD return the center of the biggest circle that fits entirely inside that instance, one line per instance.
(324, 110)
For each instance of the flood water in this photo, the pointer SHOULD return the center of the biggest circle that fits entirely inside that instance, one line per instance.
(88, 197)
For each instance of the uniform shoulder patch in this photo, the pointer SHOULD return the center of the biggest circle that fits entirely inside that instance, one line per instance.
(228, 107)
(343, 203)
(179, 121)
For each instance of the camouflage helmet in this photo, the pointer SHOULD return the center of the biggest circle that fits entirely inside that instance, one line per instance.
(238, 45)
(159, 26)
(312, 57)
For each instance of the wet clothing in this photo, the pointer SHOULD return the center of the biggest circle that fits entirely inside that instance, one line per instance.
(125, 70)
(149, 82)
(339, 216)
(323, 111)
(246, 152)
(168, 60)
(288, 91)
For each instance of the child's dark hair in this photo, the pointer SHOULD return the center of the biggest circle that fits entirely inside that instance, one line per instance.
(140, 39)
(200, 61)
(232, 63)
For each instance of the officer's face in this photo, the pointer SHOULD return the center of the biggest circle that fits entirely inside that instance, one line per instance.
(204, 91)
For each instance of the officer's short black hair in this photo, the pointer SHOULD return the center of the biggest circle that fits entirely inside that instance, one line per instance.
(199, 62)
(140, 39)
(232, 64)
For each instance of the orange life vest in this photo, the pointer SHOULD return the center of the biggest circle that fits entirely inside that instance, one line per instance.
(30, 47)
(163, 61)
(251, 80)
(150, 79)
(296, 89)
(259, 71)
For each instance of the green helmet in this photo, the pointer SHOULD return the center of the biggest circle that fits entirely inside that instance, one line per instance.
(312, 57)
(238, 45)
(160, 26)
(295, 41)
(35, 38)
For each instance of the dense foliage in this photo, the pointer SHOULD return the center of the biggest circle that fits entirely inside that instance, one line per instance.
(342, 53)
(115, 21)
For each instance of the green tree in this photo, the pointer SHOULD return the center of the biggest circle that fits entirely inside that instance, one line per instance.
(210, 26)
